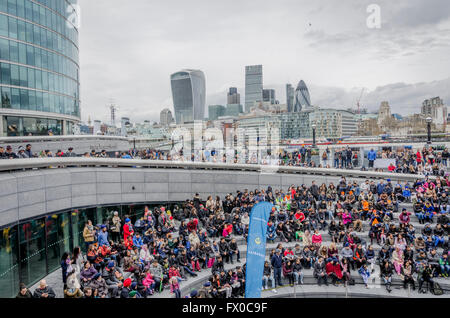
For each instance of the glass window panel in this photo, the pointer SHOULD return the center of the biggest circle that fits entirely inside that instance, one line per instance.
(24, 99)
(31, 82)
(45, 81)
(23, 76)
(3, 6)
(44, 56)
(36, 35)
(15, 98)
(13, 126)
(42, 126)
(3, 25)
(32, 100)
(6, 73)
(15, 78)
(46, 104)
(28, 10)
(38, 78)
(21, 30)
(4, 49)
(79, 220)
(14, 51)
(42, 17)
(29, 32)
(22, 53)
(30, 55)
(58, 239)
(29, 126)
(39, 101)
(21, 8)
(6, 97)
(35, 13)
(12, 7)
(9, 255)
(37, 57)
(12, 25)
(33, 265)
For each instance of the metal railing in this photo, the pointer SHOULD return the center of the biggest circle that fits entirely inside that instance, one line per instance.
(45, 163)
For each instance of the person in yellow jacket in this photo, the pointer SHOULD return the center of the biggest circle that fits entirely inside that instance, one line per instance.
(89, 234)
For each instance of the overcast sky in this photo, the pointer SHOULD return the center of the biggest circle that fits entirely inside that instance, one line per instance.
(128, 49)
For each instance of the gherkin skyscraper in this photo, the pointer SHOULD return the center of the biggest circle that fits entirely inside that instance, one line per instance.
(302, 98)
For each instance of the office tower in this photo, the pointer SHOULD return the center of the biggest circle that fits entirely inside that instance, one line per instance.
(302, 98)
(165, 117)
(233, 97)
(188, 92)
(253, 86)
(290, 98)
(269, 96)
(40, 81)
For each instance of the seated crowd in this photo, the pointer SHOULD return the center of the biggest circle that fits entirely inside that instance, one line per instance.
(339, 231)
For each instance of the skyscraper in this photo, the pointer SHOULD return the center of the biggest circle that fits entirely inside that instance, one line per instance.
(290, 98)
(39, 69)
(269, 96)
(253, 86)
(233, 97)
(302, 98)
(188, 92)
(165, 117)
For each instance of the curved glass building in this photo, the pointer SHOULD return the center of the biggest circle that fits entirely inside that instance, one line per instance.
(188, 92)
(302, 98)
(39, 67)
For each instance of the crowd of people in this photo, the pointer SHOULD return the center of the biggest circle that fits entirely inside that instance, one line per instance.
(426, 161)
(340, 231)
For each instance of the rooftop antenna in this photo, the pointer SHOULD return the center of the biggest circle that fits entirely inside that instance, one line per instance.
(359, 109)
(113, 111)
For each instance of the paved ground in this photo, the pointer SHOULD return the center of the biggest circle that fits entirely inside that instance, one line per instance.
(54, 280)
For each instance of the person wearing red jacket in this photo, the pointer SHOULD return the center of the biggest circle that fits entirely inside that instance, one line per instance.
(127, 230)
(334, 271)
(192, 225)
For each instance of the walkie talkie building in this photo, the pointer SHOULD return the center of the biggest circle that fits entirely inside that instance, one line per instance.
(189, 95)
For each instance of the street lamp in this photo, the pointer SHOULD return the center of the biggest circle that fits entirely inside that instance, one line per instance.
(429, 120)
(314, 135)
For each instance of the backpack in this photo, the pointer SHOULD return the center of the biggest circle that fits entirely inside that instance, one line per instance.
(351, 282)
(437, 289)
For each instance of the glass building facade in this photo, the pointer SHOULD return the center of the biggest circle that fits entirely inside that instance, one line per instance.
(330, 123)
(302, 98)
(216, 111)
(189, 95)
(39, 67)
(32, 249)
(290, 98)
(253, 86)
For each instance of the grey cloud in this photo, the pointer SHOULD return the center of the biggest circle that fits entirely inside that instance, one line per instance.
(129, 48)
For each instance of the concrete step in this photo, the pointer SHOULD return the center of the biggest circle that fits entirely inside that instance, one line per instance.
(357, 291)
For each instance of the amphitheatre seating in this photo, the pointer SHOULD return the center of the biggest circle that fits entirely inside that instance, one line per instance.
(310, 287)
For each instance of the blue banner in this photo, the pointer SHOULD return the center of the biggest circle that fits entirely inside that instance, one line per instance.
(256, 249)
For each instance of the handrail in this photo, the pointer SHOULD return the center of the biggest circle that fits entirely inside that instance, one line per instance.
(19, 164)
(24, 139)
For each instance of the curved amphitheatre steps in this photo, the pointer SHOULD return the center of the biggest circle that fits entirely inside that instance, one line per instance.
(310, 287)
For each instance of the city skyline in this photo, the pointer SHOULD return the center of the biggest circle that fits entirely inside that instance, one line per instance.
(403, 62)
